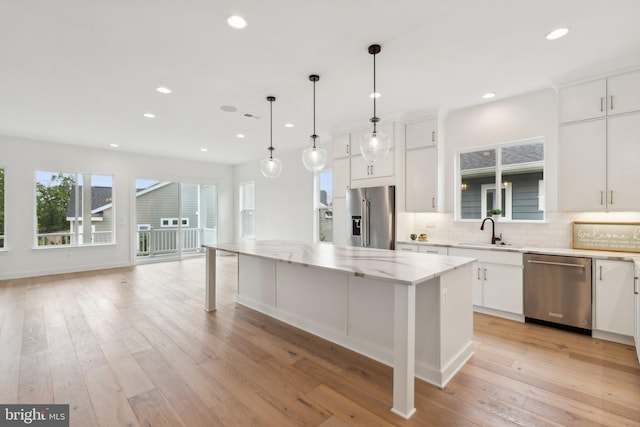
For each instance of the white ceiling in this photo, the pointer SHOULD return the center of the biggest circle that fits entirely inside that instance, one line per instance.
(84, 71)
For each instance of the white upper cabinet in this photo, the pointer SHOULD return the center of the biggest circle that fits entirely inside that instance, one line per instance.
(361, 169)
(584, 101)
(421, 174)
(341, 146)
(600, 98)
(599, 165)
(421, 134)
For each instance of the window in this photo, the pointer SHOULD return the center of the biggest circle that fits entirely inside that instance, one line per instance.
(174, 219)
(247, 207)
(2, 244)
(74, 209)
(324, 207)
(516, 168)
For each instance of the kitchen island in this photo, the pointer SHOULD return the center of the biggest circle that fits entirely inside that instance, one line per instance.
(410, 311)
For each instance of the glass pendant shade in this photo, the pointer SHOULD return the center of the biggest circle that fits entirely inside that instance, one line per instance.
(270, 167)
(374, 146)
(314, 158)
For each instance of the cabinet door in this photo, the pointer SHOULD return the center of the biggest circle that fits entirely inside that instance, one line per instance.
(440, 250)
(477, 284)
(503, 288)
(339, 221)
(623, 93)
(421, 180)
(623, 162)
(583, 166)
(341, 178)
(421, 134)
(614, 296)
(636, 289)
(341, 146)
(583, 101)
(361, 169)
(406, 247)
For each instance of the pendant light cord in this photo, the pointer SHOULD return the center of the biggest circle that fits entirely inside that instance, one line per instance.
(271, 129)
(314, 136)
(374, 93)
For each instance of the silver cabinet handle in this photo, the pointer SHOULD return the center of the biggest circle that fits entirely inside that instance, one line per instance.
(368, 168)
(433, 136)
(485, 274)
(600, 272)
(601, 104)
(433, 202)
(635, 285)
(602, 197)
(611, 197)
(611, 102)
(348, 150)
(371, 169)
(478, 273)
(559, 264)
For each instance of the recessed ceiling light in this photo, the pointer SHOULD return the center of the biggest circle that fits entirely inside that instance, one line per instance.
(374, 95)
(488, 95)
(288, 125)
(204, 149)
(114, 145)
(164, 90)
(228, 108)
(149, 115)
(236, 21)
(557, 33)
(240, 135)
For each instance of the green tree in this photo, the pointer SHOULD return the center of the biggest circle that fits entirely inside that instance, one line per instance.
(53, 199)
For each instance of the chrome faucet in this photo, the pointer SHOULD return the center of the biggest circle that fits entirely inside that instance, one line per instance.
(494, 239)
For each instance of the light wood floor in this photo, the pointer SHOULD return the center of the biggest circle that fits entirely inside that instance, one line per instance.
(133, 346)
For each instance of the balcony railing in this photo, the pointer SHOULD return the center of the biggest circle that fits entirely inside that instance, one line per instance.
(165, 241)
(68, 238)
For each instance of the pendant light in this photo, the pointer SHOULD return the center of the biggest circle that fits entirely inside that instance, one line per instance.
(271, 167)
(314, 158)
(374, 145)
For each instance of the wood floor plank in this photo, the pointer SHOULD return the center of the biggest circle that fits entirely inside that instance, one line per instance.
(90, 339)
(188, 406)
(152, 409)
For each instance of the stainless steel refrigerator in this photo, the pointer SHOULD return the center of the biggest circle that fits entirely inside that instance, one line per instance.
(371, 217)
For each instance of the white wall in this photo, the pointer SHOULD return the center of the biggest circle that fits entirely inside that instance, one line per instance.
(284, 205)
(21, 158)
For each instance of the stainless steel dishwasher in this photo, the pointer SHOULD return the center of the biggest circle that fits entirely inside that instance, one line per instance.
(557, 290)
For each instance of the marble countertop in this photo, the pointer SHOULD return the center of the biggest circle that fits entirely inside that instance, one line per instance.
(619, 256)
(395, 266)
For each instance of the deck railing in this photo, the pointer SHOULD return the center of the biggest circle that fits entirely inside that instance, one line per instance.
(68, 238)
(165, 241)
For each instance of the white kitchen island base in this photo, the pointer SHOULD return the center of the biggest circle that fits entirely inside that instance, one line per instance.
(422, 330)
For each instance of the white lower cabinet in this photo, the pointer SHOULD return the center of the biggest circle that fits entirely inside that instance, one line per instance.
(614, 302)
(496, 280)
(636, 290)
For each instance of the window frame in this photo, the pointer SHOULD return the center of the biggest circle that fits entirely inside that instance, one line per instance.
(77, 194)
(499, 170)
(241, 210)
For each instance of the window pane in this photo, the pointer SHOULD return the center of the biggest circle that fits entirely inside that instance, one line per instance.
(477, 173)
(523, 173)
(325, 208)
(72, 213)
(246, 208)
(2, 245)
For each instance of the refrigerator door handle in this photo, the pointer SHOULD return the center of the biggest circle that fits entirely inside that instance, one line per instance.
(365, 222)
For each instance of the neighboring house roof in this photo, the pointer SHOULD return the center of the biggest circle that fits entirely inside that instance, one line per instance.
(100, 200)
(517, 154)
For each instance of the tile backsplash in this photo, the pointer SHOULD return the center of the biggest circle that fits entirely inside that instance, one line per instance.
(555, 232)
